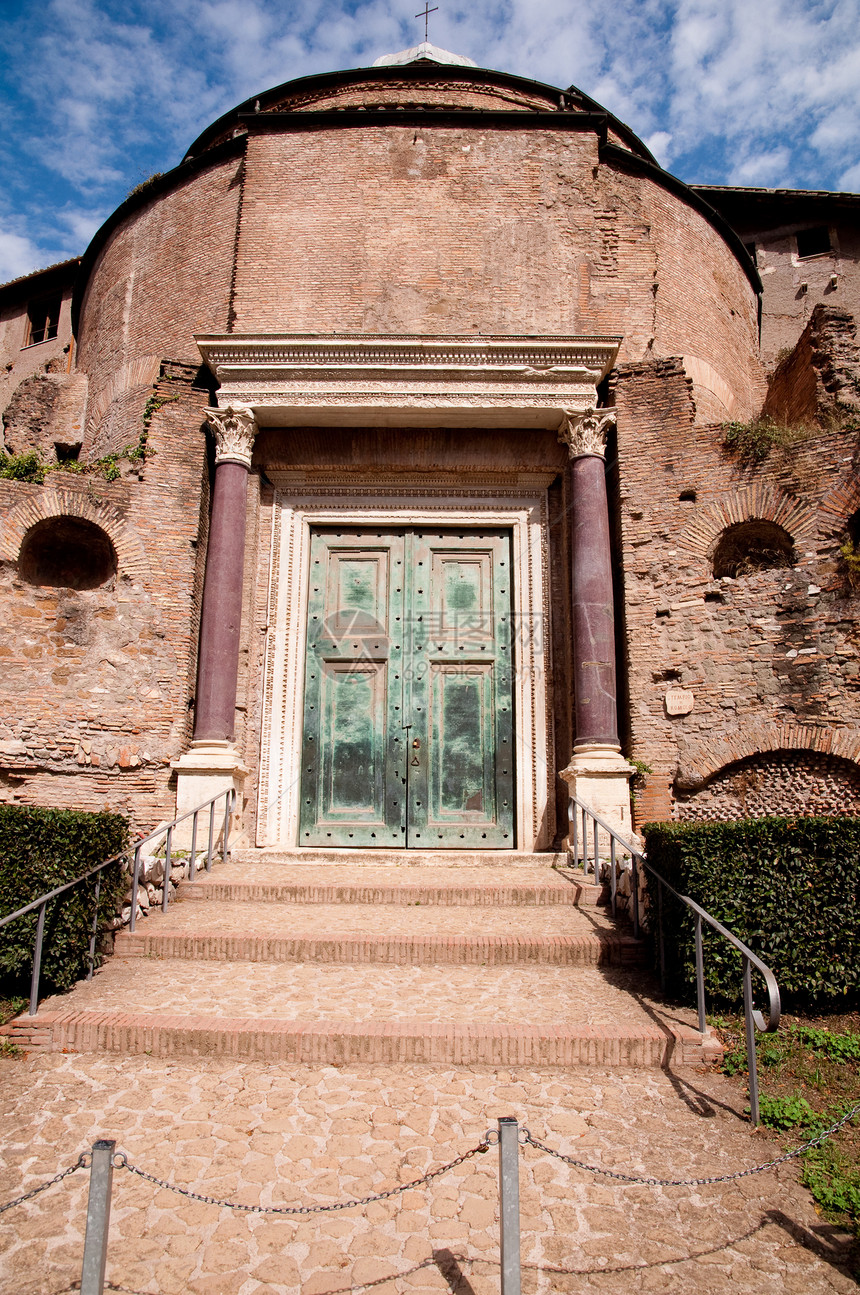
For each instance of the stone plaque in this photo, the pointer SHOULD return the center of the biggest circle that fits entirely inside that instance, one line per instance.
(679, 701)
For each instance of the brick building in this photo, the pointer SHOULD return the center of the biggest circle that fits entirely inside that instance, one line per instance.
(375, 459)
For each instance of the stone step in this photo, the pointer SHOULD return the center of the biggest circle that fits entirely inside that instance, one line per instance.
(363, 858)
(322, 1014)
(335, 1043)
(604, 948)
(484, 887)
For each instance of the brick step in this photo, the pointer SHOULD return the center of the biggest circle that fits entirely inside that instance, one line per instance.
(239, 881)
(377, 1042)
(598, 949)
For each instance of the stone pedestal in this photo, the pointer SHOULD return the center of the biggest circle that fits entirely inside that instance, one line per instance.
(207, 769)
(599, 776)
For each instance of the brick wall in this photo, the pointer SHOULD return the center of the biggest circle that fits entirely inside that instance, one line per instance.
(95, 685)
(771, 657)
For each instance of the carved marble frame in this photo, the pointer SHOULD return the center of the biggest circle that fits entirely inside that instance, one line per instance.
(300, 506)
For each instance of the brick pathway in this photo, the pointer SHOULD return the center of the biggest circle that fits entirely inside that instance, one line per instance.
(293, 1134)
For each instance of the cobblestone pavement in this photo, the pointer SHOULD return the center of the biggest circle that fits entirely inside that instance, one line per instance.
(320, 992)
(295, 1135)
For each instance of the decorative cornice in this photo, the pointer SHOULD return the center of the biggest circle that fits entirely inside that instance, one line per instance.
(285, 377)
(234, 428)
(585, 433)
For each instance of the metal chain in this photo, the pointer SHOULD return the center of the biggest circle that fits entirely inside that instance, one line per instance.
(83, 1162)
(693, 1182)
(121, 1162)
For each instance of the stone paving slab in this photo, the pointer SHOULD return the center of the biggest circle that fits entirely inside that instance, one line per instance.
(296, 1135)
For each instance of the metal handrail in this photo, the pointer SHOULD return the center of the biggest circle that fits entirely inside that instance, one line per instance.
(43, 901)
(753, 1019)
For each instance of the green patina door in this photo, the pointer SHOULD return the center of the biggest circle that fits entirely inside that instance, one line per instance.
(408, 716)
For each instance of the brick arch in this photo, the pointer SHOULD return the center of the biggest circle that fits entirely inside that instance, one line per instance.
(712, 754)
(840, 503)
(758, 502)
(50, 503)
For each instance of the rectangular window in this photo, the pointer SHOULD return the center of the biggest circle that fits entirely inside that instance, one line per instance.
(43, 320)
(813, 242)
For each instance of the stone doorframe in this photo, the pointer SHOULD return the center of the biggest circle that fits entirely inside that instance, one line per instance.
(397, 381)
(298, 508)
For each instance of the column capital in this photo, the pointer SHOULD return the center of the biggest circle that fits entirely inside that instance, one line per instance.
(234, 428)
(584, 431)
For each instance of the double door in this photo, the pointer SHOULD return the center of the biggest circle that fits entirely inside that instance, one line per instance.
(408, 720)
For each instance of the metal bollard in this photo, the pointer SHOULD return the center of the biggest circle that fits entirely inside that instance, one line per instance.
(509, 1194)
(98, 1219)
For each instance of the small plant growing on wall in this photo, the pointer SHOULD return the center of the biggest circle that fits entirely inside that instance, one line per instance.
(753, 442)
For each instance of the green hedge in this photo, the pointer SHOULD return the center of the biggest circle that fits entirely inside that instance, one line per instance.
(788, 887)
(39, 850)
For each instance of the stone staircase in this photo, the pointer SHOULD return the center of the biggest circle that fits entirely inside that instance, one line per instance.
(437, 959)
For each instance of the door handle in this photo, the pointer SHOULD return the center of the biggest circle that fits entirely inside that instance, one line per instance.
(416, 747)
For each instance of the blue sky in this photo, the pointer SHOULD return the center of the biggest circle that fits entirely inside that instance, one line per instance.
(96, 95)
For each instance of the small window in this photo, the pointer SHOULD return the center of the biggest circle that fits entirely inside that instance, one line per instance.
(43, 320)
(68, 553)
(748, 547)
(813, 242)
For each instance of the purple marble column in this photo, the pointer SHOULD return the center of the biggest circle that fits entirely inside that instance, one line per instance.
(221, 614)
(593, 612)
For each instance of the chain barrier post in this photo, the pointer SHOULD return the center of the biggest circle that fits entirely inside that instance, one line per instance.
(98, 1218)
(509, 1197)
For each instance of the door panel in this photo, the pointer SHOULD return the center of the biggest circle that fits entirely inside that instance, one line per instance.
(408, 691)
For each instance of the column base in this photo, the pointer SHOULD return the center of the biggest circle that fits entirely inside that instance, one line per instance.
(599, 776)
(209, 767)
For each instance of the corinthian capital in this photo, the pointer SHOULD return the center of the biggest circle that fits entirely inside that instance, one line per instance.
(584, 432)
(234, 428)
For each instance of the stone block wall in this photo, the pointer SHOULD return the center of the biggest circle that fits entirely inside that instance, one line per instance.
(766, 662)
(96, 684)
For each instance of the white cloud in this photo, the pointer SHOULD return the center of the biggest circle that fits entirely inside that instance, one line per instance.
(20, 255)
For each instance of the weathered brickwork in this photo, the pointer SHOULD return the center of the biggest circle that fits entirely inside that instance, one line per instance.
(770, 658)
(96, 684)
(163, 276)
(794, 782)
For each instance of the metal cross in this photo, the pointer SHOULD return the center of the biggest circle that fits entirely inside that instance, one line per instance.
(425, 14)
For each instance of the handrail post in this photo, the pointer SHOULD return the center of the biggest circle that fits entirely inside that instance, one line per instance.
(635, 882)
(37, 961)
(752, 1060)
(613, 881)
(596, 851)
(168, 855)
(509, 1204)
(135, 883)
(228, 807)
(98, 1218)
(192, 868)
(95, 928)
(584, 843)
(574, 831)
(700, 974)
(211, 835)
(661, 935)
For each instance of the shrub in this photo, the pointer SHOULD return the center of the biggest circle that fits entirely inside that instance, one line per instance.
(789, 888)
(41, 849)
